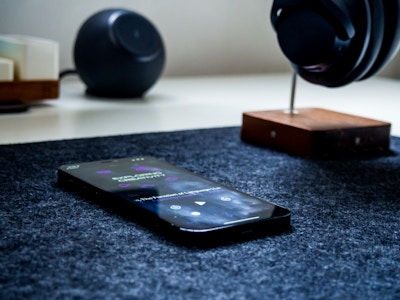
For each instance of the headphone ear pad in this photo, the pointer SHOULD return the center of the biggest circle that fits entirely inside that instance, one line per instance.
(373, 40)
(391, 36)
(118, 53)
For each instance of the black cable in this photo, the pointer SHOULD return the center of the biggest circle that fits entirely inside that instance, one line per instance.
(67, 72)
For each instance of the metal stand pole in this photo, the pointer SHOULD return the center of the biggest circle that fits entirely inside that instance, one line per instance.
(292, 111)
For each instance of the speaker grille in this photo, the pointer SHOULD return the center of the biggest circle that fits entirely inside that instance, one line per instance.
(136, 35)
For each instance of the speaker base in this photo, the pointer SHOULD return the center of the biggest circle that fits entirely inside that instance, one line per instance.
(114, 94)
(316, 133)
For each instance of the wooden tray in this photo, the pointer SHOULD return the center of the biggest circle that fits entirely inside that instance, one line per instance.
(27, 91)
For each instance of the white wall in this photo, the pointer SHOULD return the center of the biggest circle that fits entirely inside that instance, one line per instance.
(201, 36)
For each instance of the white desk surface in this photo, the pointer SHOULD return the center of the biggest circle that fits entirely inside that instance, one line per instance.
(190, 103)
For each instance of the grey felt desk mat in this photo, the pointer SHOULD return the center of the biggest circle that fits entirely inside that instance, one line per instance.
(345, 241)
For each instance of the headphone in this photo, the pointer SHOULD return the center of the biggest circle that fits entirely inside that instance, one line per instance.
(335, 42)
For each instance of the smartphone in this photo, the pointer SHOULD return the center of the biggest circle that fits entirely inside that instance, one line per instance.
(173, 200)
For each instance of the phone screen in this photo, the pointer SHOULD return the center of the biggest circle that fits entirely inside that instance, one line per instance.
(181, 198)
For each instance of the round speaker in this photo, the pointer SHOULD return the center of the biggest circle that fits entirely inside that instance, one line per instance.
(118, 53)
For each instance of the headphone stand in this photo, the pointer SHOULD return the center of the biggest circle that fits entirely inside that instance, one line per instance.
(316, 132)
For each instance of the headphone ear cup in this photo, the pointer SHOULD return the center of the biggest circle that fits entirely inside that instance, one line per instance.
(357, 55)
(391, 36)
(118, 53)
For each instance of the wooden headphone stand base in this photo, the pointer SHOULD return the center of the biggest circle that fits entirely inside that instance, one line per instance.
(316, 133)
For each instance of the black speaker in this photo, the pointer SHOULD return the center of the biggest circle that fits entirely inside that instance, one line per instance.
(118, 53)
(336, 42)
